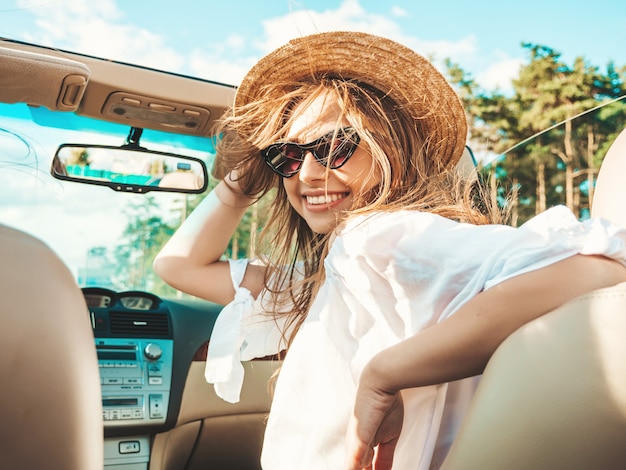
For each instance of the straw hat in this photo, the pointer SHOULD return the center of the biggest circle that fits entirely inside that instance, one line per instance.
(407, 77)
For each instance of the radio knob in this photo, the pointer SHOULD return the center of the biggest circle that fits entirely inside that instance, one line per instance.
(153, 351)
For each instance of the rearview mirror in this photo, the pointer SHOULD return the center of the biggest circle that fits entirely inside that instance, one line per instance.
(133, 170)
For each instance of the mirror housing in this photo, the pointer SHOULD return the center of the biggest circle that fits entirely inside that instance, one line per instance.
(131, 169)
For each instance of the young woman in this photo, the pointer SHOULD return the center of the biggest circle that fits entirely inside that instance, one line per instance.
(382, 272)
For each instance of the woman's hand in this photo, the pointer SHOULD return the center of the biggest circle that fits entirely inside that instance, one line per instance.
(375, 425)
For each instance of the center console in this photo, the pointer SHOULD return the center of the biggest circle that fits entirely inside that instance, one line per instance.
(134, 345)
(135, 375)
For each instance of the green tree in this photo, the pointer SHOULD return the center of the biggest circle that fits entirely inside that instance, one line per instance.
(493, 127)
(243, 242)
(143, 237)
(558, 166)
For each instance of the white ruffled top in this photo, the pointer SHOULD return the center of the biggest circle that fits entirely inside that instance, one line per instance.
(242, 331)
(388, 276)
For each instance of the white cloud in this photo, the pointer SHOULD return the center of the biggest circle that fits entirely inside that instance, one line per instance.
(399, 12)
(463, 50)
(217, 67)
(98, 27)
(500, 74)
(350, 16)
(62, 216)
(225, 62)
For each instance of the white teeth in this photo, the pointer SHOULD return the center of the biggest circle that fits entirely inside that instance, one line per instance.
(324, 199)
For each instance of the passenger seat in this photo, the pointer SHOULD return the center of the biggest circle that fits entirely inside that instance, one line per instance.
(50, 395)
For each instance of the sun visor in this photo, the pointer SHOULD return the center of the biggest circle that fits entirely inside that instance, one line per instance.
(36, 79)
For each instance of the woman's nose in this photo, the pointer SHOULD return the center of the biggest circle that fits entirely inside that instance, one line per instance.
(311, 169)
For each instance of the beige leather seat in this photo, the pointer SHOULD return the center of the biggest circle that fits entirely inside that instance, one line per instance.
(609, 198)
(553, 396)
(50, 394)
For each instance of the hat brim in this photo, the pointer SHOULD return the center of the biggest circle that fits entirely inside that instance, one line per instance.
(407, 77)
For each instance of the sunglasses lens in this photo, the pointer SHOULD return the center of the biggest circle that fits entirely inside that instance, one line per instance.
(340, 153)
(285, 159)
(340, 149)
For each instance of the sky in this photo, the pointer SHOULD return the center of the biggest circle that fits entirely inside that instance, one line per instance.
(221, 40)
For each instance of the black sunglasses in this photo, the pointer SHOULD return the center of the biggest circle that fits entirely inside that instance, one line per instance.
(332, 150)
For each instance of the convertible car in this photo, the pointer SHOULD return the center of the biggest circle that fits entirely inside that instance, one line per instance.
(103, 367)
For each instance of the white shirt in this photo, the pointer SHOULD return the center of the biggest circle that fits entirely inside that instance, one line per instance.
(388, 276)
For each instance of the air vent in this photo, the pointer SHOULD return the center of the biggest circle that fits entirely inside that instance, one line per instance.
(143, 325)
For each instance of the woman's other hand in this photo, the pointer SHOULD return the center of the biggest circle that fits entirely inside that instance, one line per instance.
(375, 425)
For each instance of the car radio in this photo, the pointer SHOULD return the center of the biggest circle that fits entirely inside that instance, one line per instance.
(136, 378)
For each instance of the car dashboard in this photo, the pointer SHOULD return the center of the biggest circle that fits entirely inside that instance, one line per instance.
(142, 374)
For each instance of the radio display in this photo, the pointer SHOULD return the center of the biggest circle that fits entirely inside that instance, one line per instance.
(117, 355)
(126, 401)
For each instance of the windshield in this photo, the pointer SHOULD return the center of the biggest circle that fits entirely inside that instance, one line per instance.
(107, 239)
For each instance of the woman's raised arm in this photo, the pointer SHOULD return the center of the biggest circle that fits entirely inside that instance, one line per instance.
(190, 260)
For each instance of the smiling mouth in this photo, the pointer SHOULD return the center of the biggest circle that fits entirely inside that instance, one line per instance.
(325, 198)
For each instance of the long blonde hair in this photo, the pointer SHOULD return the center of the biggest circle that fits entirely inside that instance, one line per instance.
(401, 154)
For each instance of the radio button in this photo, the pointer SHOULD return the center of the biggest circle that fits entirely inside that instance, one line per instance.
(129, 447)
(113, 381)
(153, 351)
(155, 370)
(156, 405)
(133, 380)
(155, 381)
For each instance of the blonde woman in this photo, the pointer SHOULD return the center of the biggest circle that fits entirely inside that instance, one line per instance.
(383, 274)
